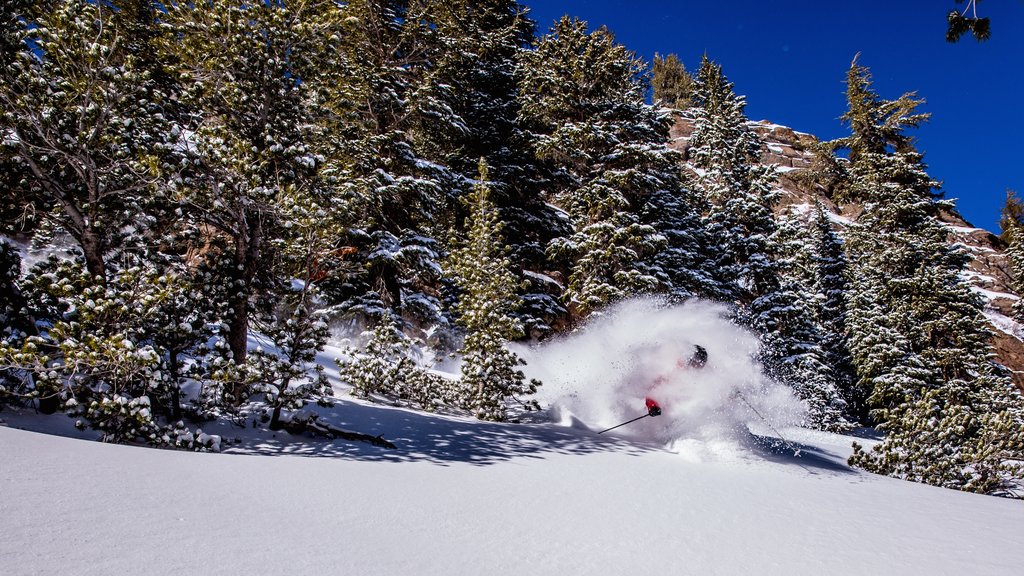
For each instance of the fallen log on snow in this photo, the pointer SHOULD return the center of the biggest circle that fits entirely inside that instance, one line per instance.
(304, 421)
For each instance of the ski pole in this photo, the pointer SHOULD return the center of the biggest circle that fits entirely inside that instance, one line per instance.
(624, 423)
(796, 451)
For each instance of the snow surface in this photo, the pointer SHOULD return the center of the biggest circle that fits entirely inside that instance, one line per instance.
(707, 488)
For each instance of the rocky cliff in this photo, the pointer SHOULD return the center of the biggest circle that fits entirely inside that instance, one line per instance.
(989, 270)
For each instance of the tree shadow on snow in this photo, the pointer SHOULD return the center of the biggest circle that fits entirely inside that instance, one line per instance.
(436, 438)
(806, 456)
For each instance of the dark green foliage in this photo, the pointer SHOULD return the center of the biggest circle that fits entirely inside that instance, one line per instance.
(959, 23)
(1015, 252)
(736, 186)
(583, 98)
(83, 126)
(753, 251)
(250, 123)
(386, 367)
(918, 336)
(831, 267)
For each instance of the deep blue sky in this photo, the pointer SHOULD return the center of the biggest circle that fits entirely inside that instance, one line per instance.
(789, 57)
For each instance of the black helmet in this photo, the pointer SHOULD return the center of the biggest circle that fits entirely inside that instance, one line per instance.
(699, 357)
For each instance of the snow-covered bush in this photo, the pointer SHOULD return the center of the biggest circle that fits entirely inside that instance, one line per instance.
(385, 368)
(96, 354)
(286, 374)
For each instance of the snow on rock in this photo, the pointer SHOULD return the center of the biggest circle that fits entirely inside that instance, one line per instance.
(542, 279)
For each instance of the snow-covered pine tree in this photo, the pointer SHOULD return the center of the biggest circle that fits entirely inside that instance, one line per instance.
(366, 115)
(487, 298)
(468, 105)
(1011, 216)
(93, 359)
(918, 335)
(1011, 226)
(726, 156)
(583, 98)
(831, 285)
(468, 108)
(245, 71)
(387, 366)
(15, 321)
(15, 318)
(82, 121)
(684, 265)
(793, 332)
(1015, 252)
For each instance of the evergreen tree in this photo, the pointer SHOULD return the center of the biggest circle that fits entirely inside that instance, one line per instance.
(798, 335)
(672, 84)
(83, 123)
(467, 108)
(831, 286)
(246, 70)
(918, 334)
(387, 366)
(727, 153)
(751, 255)
(1015, 253)
(959, 23)
(1012, 216)
(368, 107)
(468, 102)
(487, 300)
(583, 98)
(684, 265)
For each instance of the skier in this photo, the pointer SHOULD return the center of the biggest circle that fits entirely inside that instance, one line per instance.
(697, 360)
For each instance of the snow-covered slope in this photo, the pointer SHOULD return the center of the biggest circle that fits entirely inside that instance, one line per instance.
(718, 484)
(464, 497)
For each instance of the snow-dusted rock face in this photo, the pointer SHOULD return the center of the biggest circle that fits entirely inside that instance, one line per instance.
(989, 270)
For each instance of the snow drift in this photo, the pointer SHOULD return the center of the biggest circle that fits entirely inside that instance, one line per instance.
(600, 375)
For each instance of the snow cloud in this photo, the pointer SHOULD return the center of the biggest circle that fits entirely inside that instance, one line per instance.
(600, 375)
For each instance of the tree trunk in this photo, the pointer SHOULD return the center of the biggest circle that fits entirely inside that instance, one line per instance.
(92, 247)
(172, 366)
(238, 326)
(275, 418)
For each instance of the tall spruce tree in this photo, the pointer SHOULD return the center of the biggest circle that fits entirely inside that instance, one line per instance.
(583, 98)
(741, 199)
(801, 328)
(468, 108)
(918, 335)
(486, 302)
(368, 110)
(1015, 253)
(468, 98)
(831, 285)
(1011, 217)
(737, 186)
